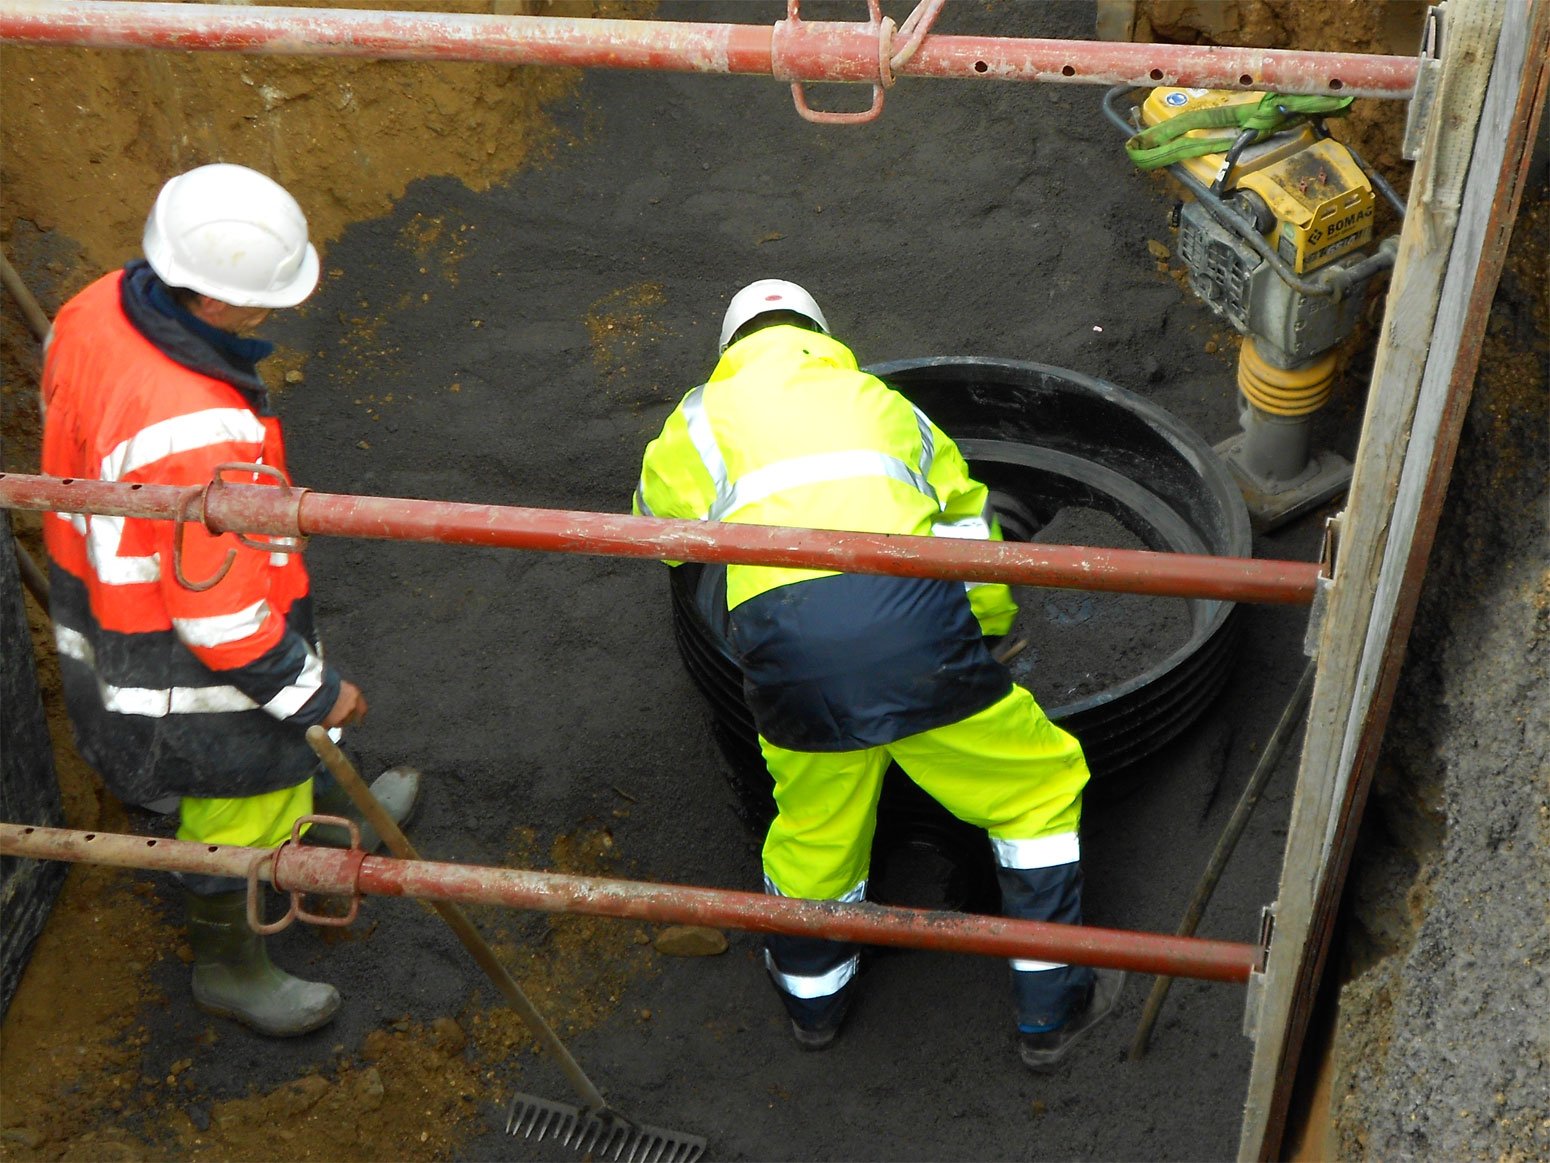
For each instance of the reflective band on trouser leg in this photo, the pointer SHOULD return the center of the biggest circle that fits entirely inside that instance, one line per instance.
(1046, 992)
(812, 976)
(1027, 861)
(819, 847)
(261, 821)
(1011, 771)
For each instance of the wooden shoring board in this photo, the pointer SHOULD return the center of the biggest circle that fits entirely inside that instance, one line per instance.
(1463, 200)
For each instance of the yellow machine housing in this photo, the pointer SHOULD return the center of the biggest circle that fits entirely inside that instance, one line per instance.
(1321, 202)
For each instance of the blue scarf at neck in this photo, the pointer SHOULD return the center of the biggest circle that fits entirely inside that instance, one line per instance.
(188, 340)
(240, 350)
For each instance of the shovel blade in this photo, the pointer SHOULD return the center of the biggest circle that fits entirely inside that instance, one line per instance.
(599, 1135)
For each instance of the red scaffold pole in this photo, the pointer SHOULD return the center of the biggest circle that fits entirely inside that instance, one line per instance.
(792, 50)
(301, 868)
(285, 512)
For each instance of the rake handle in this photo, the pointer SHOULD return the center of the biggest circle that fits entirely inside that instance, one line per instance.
(1275, 747)
(349, 779)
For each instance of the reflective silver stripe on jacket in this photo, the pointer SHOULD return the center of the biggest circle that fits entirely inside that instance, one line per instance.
(153, 703)
(178, 434)
(1036, 966)
(291, 698)
(178, 700)
(976, 528)
(820, 468)
(103, 535)
(815, 469)
(219, 629)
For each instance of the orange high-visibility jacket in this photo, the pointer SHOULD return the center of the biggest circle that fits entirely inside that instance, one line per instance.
(170, 690)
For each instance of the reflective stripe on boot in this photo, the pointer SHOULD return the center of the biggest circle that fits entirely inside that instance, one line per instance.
(234, 978)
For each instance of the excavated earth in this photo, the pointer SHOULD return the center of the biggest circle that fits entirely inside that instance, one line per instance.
(524, 271)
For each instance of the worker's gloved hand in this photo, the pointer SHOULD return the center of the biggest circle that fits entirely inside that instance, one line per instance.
(349, 708)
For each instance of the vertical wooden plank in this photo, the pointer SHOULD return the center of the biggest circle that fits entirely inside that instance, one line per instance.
(1464, 196)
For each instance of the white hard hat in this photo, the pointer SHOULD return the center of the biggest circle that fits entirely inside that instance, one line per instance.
(765, 296)
(233, 234)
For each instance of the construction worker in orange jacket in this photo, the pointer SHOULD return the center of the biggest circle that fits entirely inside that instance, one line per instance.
(844, 672)
(190, 664)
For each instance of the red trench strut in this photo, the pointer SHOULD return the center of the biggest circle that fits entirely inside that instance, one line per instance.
(306, 869)
(791, 50)
(292, 512)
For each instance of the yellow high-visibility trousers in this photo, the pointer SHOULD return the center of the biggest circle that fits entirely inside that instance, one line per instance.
(1007, 769)
(261, 821)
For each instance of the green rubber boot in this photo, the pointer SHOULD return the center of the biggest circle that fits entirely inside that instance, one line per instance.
(234, 978)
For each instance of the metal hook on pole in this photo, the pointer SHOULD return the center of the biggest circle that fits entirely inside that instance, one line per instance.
(179, 523)
(218, 481)
(792, 26)
(270, 858)
(914, 30)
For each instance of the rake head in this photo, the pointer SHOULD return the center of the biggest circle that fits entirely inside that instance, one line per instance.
(600, 1134)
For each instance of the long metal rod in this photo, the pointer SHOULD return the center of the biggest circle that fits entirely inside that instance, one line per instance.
(1291, 719)
(292, 512)
(791, 50)
(330, 871)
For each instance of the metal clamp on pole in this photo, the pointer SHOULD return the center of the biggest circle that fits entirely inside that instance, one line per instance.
(1254, 999)
(1428, 79)
(792, 29)
(1328, 551)
(293, 543)
(354, 856)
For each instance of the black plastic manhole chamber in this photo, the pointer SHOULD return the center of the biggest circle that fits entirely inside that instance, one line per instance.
(1071, 460)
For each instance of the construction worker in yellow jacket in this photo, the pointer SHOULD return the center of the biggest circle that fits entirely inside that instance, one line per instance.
(845, 672)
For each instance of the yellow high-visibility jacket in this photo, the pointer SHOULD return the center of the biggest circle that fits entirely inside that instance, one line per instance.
(788, 431)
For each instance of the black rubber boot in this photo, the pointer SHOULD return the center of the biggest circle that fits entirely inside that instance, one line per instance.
(397, 790)
(234, 978)
(1043, 1052)
(820, 1035)
(815, 1022)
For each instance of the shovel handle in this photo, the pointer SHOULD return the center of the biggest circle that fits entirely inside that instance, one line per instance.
(349, 779)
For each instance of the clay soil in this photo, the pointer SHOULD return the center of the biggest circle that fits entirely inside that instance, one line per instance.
(524, 271)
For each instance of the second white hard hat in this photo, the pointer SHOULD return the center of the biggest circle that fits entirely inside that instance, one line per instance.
(233, 234)
(765, 296)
